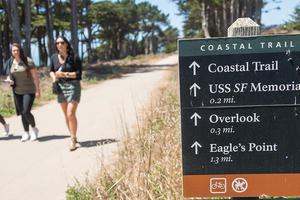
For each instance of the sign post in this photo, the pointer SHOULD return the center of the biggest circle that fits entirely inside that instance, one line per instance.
(240, 116)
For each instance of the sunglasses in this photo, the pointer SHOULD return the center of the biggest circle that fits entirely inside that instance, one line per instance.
(62, 43)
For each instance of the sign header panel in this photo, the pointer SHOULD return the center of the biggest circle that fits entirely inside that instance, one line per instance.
(239, 45)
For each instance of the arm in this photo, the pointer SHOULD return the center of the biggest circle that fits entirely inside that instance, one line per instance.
(36, 82)
(9, 81)
(60, 74)
(52, 71)
(78, 66)
(72, 75)
(52, 76)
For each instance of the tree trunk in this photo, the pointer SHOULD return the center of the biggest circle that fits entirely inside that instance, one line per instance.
(6, 31)
(6, 39)
(258, 7)
(146, 45)
(134, 45)
(238, 9)
(218, 22)
(82, 39)
(44, 50)
(89, 44)
(233, 11)
(225, 21)
(1, 46)
(143, 41)
(40, 50)
(250, 4)
(28, 27)
(204, 15)
(57, 31)
(15, 21)
(88, 40)
(119, 45)
(151, 44)
(49, 18)
(244, 9)
(74, 26)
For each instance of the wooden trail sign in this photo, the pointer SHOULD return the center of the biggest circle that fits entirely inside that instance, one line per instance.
(240, 116)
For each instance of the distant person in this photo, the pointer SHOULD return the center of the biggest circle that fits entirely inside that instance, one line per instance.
(25, 83)
(5, 126)
(66, 70)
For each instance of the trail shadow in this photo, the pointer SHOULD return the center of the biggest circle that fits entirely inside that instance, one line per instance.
(40, 139)
(11, 137)
(52, 137)
(92, 143)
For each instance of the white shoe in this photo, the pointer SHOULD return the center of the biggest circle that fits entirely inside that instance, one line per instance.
(25, 137)
(6, 130)
(34, 134)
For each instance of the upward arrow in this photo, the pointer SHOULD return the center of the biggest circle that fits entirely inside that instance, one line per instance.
(196, 117)
(194, 87)
(196, 145)
(194, 65)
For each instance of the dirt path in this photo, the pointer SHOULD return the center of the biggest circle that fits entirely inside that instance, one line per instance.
(43, 169)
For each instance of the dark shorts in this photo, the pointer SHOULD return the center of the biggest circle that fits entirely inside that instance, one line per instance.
(71, 91)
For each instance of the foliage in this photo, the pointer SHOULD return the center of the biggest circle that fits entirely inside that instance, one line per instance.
(170, 40)
(206, 18)
(294, 24)
(80, 191)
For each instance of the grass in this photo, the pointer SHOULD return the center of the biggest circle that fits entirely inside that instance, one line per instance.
(148, 163)
(92, 74)
(7, 104)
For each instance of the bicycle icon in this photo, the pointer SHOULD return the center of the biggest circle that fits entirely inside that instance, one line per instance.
(239, 185)
(217, 185)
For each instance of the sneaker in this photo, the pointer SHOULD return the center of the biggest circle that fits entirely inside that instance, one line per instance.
(34, 134)
(25, 137)
(6, 130)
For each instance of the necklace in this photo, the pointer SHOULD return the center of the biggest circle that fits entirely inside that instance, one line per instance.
(62, 57)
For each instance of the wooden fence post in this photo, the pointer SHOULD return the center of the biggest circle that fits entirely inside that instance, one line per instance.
(243, 27)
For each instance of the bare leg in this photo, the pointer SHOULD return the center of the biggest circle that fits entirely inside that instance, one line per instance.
(64, 107)
(71, 115)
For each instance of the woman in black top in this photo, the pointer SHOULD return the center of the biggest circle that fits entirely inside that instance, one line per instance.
(66, 69)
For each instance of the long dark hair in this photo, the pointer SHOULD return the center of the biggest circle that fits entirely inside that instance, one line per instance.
(70, 51)
(22, 53)
(22, 56)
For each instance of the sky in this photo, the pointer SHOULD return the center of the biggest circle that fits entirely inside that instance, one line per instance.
(271, 17)
(279, 16)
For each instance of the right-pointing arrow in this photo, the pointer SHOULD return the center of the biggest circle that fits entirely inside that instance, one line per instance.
(196, 145)
(195, 116)
(194, 88)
